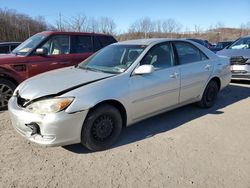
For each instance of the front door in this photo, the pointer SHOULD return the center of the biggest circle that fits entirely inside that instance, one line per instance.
(57, 51)
(152, 93)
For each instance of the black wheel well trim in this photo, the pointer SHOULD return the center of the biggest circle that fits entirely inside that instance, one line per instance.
(217, 80)
(117, 105)
(9, 78)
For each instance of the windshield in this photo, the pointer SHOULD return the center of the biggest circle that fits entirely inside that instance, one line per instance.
(219, 45)
(28, 45)
(242, 43)
(113, 59)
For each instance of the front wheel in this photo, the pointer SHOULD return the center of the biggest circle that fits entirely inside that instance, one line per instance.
(101, 128)
(210, 95)
(6, 91)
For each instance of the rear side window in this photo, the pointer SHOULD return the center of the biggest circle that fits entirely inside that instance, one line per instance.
(12, 47)
(187, 53)
(97, 44)
(4, 49)
(81, 44)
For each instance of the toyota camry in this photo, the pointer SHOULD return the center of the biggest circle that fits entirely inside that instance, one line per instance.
(118, 86)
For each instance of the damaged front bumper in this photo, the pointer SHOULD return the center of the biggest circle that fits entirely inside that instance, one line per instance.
(54, 129)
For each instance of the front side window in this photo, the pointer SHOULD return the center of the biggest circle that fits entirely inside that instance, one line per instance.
(242, 43)
(187, 53)
(56, 45)
(28, 45)
(81, 44)
(113, 59)
(160, 57)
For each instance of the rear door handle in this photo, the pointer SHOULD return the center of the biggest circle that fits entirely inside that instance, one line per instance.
(64, 62)
(207, 67)
(174, 75)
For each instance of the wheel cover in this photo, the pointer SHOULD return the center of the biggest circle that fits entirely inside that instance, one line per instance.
(5, 94)
(102, 128)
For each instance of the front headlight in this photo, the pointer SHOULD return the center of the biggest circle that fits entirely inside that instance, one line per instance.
(48, 106)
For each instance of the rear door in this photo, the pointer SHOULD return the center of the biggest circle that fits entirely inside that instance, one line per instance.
(81, 48)
(195, 70)
(152, 93)
(4, 49)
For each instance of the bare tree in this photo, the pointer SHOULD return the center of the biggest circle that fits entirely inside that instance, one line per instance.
(171, 26)
(18, 27)
(107, 25)
(197, 29)
(79, 23)
(219, 25)
(93, 25)
(158, 25)
(144, 25)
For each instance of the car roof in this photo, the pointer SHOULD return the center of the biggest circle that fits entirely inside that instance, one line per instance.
(154, 41)
(71, 33)
(147, 41)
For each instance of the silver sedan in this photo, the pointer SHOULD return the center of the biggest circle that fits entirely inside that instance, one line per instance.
(118, 86)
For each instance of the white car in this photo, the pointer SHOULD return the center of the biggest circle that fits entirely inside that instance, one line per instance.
(239, 54)
(121, 84)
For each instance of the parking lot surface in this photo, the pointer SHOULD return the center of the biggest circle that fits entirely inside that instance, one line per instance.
(187, 147)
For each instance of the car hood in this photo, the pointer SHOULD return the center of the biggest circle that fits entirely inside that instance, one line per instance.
(58, 82)
(234, 52)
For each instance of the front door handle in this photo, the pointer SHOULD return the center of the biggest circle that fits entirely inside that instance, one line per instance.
(174, 75)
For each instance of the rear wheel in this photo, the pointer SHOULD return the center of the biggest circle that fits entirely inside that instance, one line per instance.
(6, 91)
(101, 128)
(210, 95)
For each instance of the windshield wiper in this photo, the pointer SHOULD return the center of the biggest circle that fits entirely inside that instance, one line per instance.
(89, 68)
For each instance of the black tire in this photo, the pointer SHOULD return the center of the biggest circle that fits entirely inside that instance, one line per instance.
(6, 91)
(210, 95)
(101, 128)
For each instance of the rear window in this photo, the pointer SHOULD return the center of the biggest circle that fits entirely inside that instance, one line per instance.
(81, 44)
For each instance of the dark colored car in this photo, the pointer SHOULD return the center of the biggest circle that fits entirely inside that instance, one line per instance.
(221, 45)
(239, 54)
(7, 47)
(43, 52)
(202, 42)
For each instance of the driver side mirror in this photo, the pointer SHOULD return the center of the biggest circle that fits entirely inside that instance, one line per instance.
(41, 51)
(144, 69)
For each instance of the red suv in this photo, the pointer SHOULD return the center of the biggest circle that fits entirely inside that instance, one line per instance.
(43, 52)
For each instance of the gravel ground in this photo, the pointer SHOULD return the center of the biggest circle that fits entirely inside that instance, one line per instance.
(187, 147)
